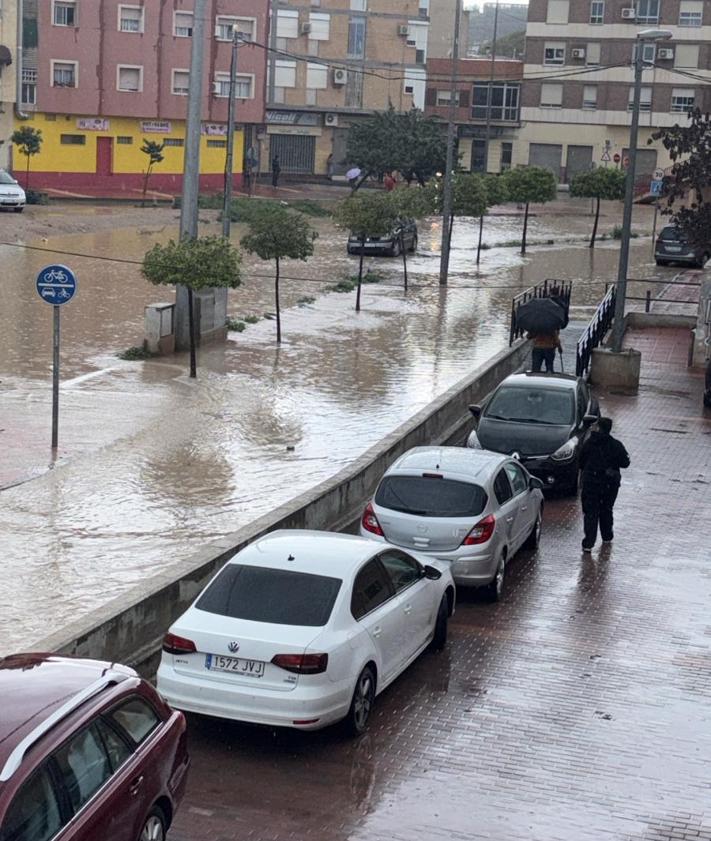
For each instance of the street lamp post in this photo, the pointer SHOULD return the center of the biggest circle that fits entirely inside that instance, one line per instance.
(229, 157)
(618, 327)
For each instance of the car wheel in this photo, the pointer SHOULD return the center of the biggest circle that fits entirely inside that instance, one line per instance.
(495, 589)
(704, 259)
(413, 247)
(572, 489)
(662, 262)
(439, 638)
(534, 537)
(19, 209)
(356, 721)
(154, 828)
(396, 250)
(707, 400)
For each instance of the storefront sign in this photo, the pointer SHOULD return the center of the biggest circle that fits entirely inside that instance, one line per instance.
(292, 118)
(93, 124)
(214, 129)
(156, 126)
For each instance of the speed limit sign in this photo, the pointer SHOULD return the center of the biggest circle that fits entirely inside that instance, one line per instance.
(658, 174)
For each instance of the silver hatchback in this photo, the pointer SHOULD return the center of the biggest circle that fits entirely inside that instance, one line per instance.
(473, 508)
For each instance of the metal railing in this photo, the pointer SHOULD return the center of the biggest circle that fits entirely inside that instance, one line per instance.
(549, 288)
(595, 331)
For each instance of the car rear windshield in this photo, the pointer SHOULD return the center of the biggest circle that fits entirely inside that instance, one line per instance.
(431, 497)
(533, 405)
(277, 596)
(672, 234)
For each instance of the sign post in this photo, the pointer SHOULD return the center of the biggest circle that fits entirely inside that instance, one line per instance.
(56, 285)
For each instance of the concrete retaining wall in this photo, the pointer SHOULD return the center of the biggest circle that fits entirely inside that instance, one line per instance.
(129, 629)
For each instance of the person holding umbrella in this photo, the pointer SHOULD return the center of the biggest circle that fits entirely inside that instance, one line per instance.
(543, 318)
(544, 348)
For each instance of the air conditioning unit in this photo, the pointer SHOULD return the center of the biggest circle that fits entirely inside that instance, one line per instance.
(403, 29)
(578, 53)
(330, 119)
(340, 76)
(629, 14)
(217, 88)
(666, 53)
(305, 28)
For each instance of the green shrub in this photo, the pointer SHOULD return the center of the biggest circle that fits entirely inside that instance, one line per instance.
(234, 325)
(35, 197)
(343, 286)
(250, 319)
(309, 207)
(306, 299)
(136, 352)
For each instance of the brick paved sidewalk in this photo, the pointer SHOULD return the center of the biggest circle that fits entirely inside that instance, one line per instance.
(577, 709)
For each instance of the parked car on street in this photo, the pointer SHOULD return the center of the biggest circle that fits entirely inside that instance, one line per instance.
(303, 629)
(544, 419)
(403, 236)
(471, 508)
(88, 751)
(673, 246)
(11, 194)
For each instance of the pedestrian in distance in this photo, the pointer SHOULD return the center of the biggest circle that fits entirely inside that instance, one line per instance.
(276, 171)
(601, 459)
(329, 167)
(389, 182)
(544, 348)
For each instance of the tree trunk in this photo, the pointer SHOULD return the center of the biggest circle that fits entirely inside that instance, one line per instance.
(191, 325)
(481, 233)
(276, 293)
(403, 251)
(145, 185)
(360, 273)
(525, 228)
(597, 216)
(27, 174)
(449, 232)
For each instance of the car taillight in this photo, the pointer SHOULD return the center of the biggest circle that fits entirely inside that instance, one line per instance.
(173, 644)
(370, 521)
(481, 532)
(302, 664)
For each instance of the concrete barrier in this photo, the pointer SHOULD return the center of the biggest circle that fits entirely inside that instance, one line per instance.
(129, 629)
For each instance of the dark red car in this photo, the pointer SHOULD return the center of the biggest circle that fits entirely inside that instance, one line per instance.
(88, 752)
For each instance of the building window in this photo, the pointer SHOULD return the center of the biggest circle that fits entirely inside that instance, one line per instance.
(682, 100)
(129, 79)
(354, 89)
(225, 28)
(503, 101)
(183, 24)
(691, 12)
(686, 55)
(181, 82)
(124, 140)
(445, 97)
(423, 8)
(287, 24)
(557, 11)
(647, 11)
(64, 13)
(592, 54)
(506, 156)
(597, 11)
(356, 38)
(72, 139)
(130, 18)
(645, 99)
(29, 86)
(649, 52)
(320, 26)
(216, 144)
(316, 76)
(553, 53)
(174, 141)
(244, 85)
(64, 74)
(285, 74)
(359, 5)
(551, 95)
(590, 97)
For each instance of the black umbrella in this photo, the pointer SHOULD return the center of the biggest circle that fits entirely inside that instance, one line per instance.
(540, 315)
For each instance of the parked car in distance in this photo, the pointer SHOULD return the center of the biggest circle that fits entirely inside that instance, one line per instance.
(303, 629)
(544, 419)
(88, 751)
(471, 508)
(11, 194)
(673, 246)
(403, 236)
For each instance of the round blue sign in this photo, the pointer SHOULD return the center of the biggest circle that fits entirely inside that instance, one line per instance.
(56, 284)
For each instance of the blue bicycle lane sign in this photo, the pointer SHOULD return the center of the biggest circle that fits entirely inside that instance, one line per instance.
(56, 284)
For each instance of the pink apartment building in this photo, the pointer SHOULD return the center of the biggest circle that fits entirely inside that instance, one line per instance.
(102, 76)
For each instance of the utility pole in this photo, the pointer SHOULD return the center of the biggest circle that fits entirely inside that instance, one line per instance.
(229, 157)
(451, 128)
(489, 92)
(191, 178)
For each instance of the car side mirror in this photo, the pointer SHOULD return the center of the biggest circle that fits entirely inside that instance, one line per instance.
(589, 420)
(534, 483)
(432, 573)
(475, 410)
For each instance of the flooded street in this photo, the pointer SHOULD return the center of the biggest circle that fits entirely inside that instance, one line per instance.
(152, 465)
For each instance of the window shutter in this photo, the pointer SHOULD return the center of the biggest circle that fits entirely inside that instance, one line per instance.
(464, 99)
(430, 96)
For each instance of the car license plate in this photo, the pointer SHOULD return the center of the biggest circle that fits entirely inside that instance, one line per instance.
(236, 665)
(674, 248)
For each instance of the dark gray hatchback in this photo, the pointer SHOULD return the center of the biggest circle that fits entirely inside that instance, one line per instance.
(673, 246)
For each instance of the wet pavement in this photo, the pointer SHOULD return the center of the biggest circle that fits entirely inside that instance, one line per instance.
(577, 708)
(152, 465)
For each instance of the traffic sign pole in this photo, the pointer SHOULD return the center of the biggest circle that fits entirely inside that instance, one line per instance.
(55, 380)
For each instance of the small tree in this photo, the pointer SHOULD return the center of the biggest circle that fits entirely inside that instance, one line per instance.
(154, 151)
(196, 264)
(370, 214)
(275, 233)
(496, 193)
(469, 196)
(528, 184)
(600, 183)
(409, 203)
(29, 142)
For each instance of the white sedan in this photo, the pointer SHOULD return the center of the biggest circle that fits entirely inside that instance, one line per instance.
(303, 629)
(11, 194)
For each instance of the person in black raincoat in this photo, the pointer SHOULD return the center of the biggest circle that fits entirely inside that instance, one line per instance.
(601, 458)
